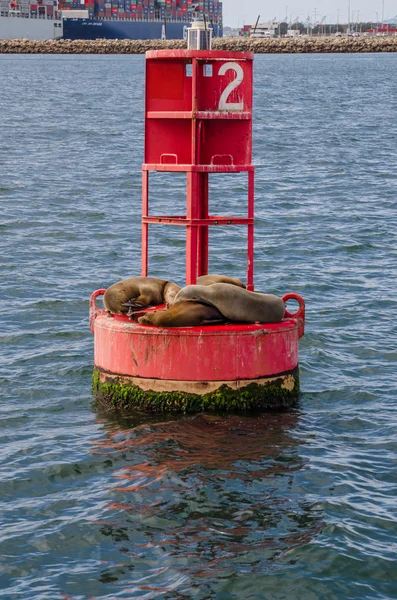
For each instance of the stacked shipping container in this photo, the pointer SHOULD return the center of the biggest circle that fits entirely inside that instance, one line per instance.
(245, 31)
(88, 5)
(40, 9)
(149, 10)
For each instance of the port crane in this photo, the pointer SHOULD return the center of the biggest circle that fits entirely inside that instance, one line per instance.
(321, 24)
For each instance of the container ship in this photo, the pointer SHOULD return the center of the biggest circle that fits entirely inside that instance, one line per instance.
(96, 19)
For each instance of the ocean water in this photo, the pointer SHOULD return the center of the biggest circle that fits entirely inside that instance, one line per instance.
(297, 505)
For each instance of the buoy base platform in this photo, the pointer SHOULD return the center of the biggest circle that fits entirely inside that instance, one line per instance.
(190, 369)
(151, 395)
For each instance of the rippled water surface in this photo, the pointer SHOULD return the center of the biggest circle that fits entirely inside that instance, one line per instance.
(298, 505)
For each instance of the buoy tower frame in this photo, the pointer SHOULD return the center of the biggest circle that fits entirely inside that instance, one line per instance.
(201, 119)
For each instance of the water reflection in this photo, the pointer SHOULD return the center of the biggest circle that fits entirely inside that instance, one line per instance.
(205, 496)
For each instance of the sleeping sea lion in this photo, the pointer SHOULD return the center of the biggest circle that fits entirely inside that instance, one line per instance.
(236, 304)
(184, 314)
(211, 279)
(125, 296)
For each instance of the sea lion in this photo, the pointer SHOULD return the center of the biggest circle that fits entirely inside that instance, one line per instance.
(184, 314)
(135, 293)
(211, 279)
(235, 304)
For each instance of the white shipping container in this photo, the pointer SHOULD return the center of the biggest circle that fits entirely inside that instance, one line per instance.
(75, 14)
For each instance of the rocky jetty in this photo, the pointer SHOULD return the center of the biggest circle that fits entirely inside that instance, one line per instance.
(308, 45)
(86, 46)
(259, 46)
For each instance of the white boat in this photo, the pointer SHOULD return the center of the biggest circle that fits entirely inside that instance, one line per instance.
(21, 19)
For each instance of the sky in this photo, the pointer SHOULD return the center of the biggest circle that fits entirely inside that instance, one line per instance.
(236, 13)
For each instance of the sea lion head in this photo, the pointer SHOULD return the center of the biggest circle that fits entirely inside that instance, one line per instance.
(171, 289)
(191, 293)
(118, 294)
(216, 278)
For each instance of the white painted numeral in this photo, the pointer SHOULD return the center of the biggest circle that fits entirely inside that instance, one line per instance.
(223, 103)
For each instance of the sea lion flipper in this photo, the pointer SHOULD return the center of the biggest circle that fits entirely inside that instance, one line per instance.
(135, 303)
(214, 322)
(141, 301)
(129, 303)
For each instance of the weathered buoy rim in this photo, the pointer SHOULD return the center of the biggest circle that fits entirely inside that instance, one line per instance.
(120, 322)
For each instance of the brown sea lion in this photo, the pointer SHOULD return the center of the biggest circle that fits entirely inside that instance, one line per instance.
(184, 314)
(135, 293)
(211, 279)
(236, 304)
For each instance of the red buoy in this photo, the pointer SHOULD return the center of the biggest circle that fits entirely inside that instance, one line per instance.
(198, 120)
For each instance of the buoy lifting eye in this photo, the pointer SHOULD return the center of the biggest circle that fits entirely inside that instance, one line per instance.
(300, 313)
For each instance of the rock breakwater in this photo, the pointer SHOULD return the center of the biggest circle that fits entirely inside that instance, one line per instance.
(264, 46)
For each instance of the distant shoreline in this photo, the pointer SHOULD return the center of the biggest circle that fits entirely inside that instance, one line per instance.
(306, 45)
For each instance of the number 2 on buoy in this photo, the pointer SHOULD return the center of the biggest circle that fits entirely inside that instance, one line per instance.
(223, 102)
